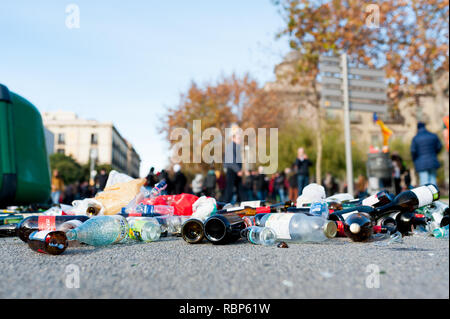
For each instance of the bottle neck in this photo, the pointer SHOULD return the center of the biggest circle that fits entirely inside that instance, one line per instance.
(9, 230)
(71, 234)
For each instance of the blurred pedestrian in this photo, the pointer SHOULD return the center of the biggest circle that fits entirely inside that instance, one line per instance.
(164, 175)
(220, 177)
(361, 187)
(280, 187)
(101, 179)
(57, 187)
(197, 185)
(330, 185)
(248, 186)
(179, 180)
(233, 166)
(210, 183)
(292, 182)
(151, 179)
(261, 184)
(85, 190)
(69, 194)
(425, 147)
(302, 164)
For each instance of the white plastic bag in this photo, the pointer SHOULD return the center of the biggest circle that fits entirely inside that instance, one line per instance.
(311, 193)
(340, 197)
(115, 177)
(80, 206)
(204, 207)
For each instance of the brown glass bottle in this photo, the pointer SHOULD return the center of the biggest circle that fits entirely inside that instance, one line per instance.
(93, 210)
(358, 227)
(48, 242)
(34, 223)
(192, 231)
(223, 228)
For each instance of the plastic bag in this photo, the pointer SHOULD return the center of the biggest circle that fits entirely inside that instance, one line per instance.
(182, 203)
(340, 197)
(204, 207)
(115, 178)
(119, 195)
(311, 193)
(80, 207)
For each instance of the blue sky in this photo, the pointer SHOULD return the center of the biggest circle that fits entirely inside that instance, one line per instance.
(130, 60)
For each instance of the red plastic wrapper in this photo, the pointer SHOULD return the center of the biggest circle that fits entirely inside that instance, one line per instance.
(181, 203)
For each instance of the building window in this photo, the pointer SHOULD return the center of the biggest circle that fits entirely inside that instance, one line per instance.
(60, 151)
(61, 139)
(94, 139)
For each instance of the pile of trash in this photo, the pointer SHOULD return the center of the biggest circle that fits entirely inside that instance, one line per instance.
(126, 212)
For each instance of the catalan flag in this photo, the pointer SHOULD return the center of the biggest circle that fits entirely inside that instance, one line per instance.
(384, 129)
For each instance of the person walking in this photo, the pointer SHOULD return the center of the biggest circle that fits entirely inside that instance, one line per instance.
(101, 180)
(292, 181)
(210, 183)
(197, 185)
(302, 164)
(330, 185)
(151, 179)
(57, 187)
(220, 178)
(179, 180)
(261, 184)
(233, 165)
(425, 147)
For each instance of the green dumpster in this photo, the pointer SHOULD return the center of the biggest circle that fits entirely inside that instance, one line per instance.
(24, 164)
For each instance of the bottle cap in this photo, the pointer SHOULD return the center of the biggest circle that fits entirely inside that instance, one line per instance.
(355, 228)
(330, 229)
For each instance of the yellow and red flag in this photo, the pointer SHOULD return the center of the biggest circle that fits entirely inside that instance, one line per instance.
(384, 130)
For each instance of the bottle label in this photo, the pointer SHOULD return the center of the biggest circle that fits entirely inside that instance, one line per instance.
(47, 222)
(39, 235)
(424, 194)
(136, 229)
(123, 228)
(346, 215)
(149, 209)
(70, 224)
(260, 210)
(370, 201)
(280, 224)
(253, 204)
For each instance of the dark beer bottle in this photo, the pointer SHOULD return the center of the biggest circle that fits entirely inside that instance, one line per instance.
(223, 228)
(48, 242)
(358, 227)
(409, 200)
(37, 223)
(377, 200)
(192, 231)
(334, 206)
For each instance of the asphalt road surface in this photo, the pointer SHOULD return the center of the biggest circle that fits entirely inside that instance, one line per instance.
(339, 268)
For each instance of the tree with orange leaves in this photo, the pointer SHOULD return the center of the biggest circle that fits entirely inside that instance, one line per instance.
(232, 100)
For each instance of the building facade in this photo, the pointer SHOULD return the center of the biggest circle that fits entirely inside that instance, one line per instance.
(84, 139)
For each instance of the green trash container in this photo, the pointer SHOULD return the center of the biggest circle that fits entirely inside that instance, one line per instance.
(24, 163)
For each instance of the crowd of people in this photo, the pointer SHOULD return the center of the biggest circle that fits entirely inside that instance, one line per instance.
(234, 184)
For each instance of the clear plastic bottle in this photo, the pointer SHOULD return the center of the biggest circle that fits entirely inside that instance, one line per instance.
(441, 232)
(101, 230)
(319, 208)
(299, 227)
(157, 189)
(259, 235)
(148, 210)
(145, 229)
